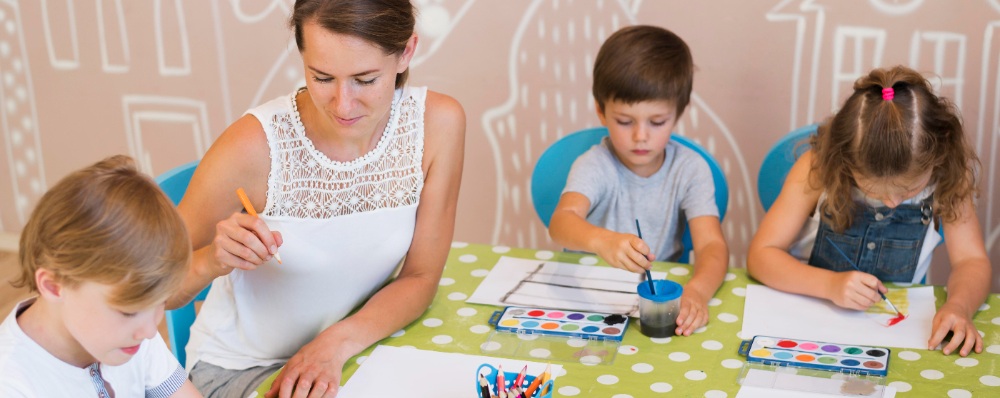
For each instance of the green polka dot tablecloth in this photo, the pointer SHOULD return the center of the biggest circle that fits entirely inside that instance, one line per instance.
(705, 364)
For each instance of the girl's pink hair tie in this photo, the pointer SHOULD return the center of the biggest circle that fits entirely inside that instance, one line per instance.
(888, 93)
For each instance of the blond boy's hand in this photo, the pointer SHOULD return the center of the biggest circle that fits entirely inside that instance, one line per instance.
(694, 312)
(625, 251)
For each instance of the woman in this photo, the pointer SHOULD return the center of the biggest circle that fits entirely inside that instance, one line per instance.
(351, 174)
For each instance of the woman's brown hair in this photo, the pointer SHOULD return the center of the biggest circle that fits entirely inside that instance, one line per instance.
(911, 132)
(108, 224)
(386, 23)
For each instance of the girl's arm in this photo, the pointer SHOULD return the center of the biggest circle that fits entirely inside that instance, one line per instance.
(968, 284)
(768, 259)
(222, 236)
(570, 229)
(711, 259)
(318, 365)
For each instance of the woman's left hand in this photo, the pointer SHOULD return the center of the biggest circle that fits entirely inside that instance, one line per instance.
(951, 318)
(313, 372)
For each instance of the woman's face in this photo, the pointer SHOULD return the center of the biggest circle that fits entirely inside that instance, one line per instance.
(350, 80)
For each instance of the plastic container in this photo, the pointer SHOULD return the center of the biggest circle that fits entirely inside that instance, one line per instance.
(658, 312)
(508, 379)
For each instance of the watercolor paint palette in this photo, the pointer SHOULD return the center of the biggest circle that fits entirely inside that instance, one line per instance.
(578, 324)
(842, 358)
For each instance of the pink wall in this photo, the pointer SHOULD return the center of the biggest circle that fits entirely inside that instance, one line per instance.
(159, 80)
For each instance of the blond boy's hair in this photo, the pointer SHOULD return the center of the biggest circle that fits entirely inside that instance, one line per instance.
(107, 224)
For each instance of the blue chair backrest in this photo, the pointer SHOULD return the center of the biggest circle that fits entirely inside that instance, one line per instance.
(549, 175)
(778, 162)
(174, 183)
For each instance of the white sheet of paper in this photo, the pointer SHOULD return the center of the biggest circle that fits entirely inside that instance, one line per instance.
(547, 284)
(412, 373)
(773, 313)
(802, 383)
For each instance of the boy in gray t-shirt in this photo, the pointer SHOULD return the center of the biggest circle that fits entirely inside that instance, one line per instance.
(642, 83)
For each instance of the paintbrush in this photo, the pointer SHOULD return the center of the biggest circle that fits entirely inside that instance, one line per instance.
(848, 259)
(649, 275)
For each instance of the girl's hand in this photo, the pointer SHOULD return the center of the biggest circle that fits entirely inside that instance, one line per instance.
(313, 372)
(625, 251)
(694, 312)
(855, 290)
(244, 241)
(951, 318)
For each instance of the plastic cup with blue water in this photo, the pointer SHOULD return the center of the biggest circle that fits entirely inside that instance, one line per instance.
(658, 312)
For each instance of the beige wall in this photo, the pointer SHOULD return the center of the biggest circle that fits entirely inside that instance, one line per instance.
(159, 80)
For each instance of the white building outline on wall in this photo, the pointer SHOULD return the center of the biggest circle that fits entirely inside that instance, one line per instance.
(992, 128)
(18, 115)
(184, 69)
(941, 41)
(843, 38)
(55, 60)
(775, 14)
(146, 108)
(119, 13)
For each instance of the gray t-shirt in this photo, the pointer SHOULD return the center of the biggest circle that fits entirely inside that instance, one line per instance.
(681, 189)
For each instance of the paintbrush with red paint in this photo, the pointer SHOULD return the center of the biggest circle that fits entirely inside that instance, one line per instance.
(899, 315)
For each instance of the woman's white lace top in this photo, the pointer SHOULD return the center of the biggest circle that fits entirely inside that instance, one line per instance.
(345, 225)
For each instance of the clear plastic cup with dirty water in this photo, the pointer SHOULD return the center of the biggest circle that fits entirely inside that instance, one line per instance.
(658, 312)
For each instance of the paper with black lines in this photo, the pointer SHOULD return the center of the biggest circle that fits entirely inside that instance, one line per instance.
(548, 284)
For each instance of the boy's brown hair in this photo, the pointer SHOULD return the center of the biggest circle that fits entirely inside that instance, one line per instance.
(642, 63)
(107, 224)
(909, 131)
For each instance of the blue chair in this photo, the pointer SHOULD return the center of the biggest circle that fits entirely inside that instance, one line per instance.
(174, 183)
(778, 162)
(549, 175)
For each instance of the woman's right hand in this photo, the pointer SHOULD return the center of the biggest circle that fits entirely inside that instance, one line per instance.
(245, 242)
(625, 251)
(855, 290)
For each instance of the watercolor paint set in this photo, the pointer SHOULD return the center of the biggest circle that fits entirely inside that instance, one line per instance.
(815, 366)
(846, 358)
(536, 333)
(585, 325)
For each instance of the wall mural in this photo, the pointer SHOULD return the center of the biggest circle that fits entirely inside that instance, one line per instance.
(159, 80)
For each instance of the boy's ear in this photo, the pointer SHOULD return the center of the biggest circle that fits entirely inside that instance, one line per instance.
(48, 287)
(600, 113)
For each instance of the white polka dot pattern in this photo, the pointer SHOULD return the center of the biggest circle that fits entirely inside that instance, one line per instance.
(959, 393)
(679, 356)
(932, 374)
(642, 368)
(661, 387)
(695, 375)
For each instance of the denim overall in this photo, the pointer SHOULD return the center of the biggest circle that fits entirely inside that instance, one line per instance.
(882, 241)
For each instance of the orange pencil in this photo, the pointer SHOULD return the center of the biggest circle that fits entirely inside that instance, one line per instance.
(250, 210)
(534, 384)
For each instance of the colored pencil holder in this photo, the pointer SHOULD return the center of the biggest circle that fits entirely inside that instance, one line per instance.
(508, 379)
